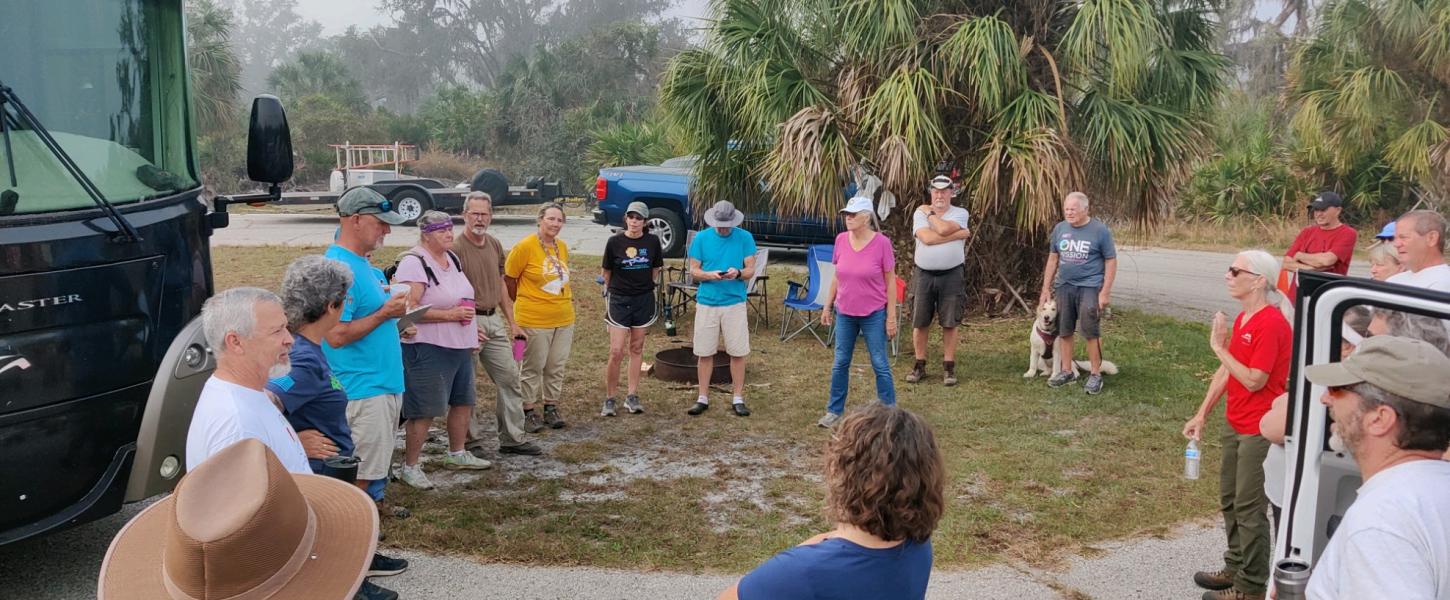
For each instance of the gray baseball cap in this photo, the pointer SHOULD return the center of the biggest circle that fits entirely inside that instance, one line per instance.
(638, 208)
(1406, 367)
(363, 200)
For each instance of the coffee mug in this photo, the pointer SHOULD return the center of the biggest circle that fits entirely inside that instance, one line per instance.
(343, 468)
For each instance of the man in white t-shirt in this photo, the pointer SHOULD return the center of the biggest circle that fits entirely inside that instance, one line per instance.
(938, 279)
(247, 331)
(1390, 402)
(1420, 242)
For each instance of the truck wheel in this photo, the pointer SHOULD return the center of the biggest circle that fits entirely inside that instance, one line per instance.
(667, 225)
(493, 183)
(411, 204)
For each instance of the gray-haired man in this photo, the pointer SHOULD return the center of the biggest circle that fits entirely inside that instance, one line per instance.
(1081, 267)
(1390, 402)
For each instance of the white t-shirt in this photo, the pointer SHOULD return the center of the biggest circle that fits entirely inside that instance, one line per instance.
(1394, 542)
(1274, 468)
(941, 256)
(227, 413)
(1431, 278)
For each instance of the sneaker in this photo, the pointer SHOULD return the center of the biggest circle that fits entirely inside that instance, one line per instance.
(829, 420)
(608, 408)
(1221, 579)
(533, 423)
(465, 460)
(414, 476)
(388, 509)
(740, 409)
(524, 449)
(918, 372)
(949, 378)
(1232, 594)
(386, 566)
(697, 409)
(372, 591)
(552, 418)
(631, 404)
(1094, 384)
(1062, 379)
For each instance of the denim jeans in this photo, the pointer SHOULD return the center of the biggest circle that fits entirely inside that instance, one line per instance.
(848, 328)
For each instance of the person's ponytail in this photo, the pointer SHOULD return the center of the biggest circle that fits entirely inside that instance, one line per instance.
(1266, 265)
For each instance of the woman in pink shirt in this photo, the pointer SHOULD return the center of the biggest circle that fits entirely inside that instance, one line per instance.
(438, 361)
(860, 305)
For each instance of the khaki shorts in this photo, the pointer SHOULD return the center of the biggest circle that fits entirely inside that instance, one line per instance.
(713, 322)
(374, 422)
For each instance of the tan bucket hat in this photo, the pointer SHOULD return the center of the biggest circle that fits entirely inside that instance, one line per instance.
(241, 527)
(1406, 367)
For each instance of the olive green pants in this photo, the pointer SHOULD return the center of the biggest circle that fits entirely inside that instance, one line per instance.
(1245, 510)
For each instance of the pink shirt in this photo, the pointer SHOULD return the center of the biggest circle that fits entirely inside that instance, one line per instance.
(861, 275)
(452, 288)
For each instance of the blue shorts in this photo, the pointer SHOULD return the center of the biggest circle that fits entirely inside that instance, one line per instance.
(435, 378)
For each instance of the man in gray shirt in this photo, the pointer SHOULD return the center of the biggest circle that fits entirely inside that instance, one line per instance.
(1081, 268)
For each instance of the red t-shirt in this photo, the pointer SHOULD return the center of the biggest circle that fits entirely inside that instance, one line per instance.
(1264, 342)
(1314, 240)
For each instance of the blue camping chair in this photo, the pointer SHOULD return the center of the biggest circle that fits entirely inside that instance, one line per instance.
(803, 301)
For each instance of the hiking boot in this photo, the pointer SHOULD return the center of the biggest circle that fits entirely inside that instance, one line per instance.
(1221, 579)
(949, 375)
(386, 566)
(631, 404)
(388, 509)
(1232, 594)
(829, 420)
(372, 591)
(465, 460)
(413, 475)
(532, 422)
(552, 418)
(608, 408)
(477, 450)
(697, 409)
(918, 372)
(1094, 384)
(1062, 379)
(524, 449)
(740, 409)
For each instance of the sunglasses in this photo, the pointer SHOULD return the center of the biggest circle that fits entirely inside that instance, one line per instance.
(635, 216)
(381, 207)
(1235, 271)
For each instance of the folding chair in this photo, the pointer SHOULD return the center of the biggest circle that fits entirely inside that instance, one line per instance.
(802, 301)
(900, 315)
(757, 292)
(680, 287)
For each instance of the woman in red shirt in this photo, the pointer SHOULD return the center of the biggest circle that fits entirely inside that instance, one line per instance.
(1253, 369)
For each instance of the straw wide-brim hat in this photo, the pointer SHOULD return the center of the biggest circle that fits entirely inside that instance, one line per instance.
(241, 527)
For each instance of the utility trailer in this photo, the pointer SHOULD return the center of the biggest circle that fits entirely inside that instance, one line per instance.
(379, 166)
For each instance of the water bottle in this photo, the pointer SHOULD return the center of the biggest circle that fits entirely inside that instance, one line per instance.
(1190, 460)
(669, 322)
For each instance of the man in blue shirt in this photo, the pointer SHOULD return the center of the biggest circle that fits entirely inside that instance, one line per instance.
(1081, 267)
(722, 259)
(364, 349)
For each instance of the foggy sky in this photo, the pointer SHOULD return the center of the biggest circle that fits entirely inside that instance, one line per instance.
(337, 15)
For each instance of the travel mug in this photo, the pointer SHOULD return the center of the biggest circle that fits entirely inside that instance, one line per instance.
(1291, 578)
(343, 468)
(466, 302)
(520, 342)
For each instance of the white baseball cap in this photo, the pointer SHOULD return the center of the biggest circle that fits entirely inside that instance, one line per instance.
(858, 204)
(941, 182)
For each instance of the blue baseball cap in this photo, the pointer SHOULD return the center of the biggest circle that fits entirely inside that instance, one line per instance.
(1388, 233)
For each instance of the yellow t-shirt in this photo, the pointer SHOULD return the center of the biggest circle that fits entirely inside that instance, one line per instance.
(545, 299)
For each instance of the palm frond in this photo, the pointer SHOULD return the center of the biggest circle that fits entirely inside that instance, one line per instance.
(873, 28)
(984, 55)
(808, 163)
(1114, 39)
(907, 105)
(1409, 154)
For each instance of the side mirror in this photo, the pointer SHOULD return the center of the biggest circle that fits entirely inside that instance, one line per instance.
(269, 142)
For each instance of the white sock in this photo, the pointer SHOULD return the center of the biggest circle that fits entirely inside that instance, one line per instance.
(738, 400)
(703, 399)
(458, 453)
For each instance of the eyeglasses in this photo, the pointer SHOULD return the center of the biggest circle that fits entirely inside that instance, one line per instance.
(476, 215)
(1235, 271)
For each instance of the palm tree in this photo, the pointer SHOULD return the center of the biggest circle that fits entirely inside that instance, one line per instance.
(1029, 99)
(320, 74)
(1371, 88)
(215, 71)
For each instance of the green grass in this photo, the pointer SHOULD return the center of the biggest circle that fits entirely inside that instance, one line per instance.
(1035, 473)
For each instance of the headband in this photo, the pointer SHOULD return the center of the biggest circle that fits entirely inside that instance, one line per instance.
(440, 226)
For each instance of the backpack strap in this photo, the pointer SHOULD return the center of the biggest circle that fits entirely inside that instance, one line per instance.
(428, 271)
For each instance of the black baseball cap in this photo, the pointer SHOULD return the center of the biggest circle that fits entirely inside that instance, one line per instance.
(1326, 200)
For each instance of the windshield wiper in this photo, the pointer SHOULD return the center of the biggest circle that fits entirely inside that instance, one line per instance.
(124, 231)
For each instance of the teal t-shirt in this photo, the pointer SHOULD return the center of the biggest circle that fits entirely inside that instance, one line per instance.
(720, 253)
(373, 365)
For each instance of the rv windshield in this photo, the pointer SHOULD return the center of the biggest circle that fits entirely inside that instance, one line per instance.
(108, 80)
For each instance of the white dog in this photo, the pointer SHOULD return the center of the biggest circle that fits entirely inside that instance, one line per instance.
(1043, 341)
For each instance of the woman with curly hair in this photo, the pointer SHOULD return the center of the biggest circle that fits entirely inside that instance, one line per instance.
(884, 486)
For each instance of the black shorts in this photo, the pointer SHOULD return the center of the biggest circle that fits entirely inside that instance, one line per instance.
(435, 378)
(626, 312)
(938, 294)
(1077, 309)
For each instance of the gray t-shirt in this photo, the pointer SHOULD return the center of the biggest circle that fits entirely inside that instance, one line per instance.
(1081, 252)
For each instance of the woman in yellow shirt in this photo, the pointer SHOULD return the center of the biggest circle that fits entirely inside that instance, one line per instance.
(537, 275)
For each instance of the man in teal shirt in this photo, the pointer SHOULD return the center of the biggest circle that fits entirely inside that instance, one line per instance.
(722, 259)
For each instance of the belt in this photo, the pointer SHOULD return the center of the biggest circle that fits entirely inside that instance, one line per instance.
(486, 312)
(942, 271)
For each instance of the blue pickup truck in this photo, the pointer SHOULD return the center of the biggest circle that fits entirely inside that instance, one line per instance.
(666, 190)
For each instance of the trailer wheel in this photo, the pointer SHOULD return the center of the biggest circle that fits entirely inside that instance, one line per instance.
(493, 183)
(667, 225)
(411, 204)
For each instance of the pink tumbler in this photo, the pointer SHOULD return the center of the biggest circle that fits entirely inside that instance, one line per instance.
(520, 342)
(467, 303)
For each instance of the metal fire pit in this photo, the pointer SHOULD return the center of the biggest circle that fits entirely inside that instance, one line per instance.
(679, 364)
